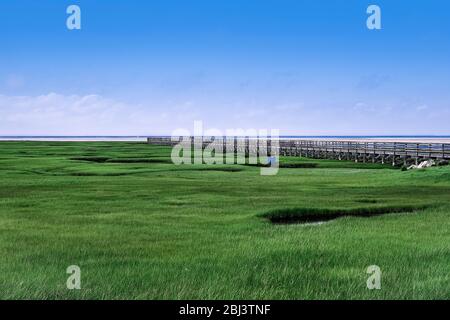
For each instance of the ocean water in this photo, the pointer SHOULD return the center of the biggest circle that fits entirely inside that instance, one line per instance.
(144, 138)
(73, 138)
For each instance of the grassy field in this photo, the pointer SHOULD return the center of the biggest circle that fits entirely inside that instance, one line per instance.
(140, 227)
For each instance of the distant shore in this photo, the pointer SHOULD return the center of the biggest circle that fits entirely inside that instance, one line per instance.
(383, 139)
(405, 139)
(76, 139)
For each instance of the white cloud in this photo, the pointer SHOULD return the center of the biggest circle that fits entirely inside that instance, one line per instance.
(422, 107)
(56, 114)
(363, 107)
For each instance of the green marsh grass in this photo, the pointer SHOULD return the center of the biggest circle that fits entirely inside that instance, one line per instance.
(153, 230)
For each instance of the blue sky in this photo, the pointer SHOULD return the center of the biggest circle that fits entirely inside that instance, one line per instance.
(150, 67)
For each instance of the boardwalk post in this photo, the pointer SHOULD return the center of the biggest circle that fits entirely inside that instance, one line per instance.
(365, 152)
(404, 155)
(348, 151)
(373, 154)
(395, 154)
(417, 154)
(340, 151)
(405, 159)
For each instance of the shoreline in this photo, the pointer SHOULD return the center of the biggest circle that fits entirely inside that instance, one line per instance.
(443, 140)
(400, 139)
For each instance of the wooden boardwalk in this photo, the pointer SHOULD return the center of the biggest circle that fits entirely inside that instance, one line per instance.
(393, 152)
(383, 152)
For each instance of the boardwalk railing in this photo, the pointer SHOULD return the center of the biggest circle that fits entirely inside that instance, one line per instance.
(383, 152)
(394, 152)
